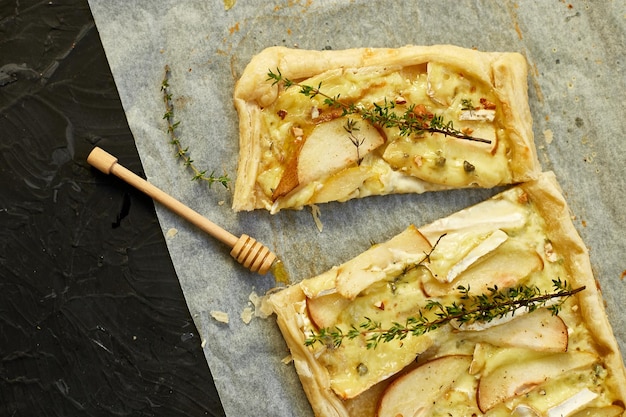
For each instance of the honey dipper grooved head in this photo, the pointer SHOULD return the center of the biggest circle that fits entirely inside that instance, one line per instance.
(253, 255)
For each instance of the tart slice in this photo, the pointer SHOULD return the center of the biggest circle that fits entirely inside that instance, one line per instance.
(320, 126)
(491, 311)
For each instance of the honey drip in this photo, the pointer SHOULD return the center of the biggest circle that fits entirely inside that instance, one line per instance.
(280, 273)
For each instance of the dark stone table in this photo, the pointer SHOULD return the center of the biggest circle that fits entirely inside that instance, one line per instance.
(92, 318)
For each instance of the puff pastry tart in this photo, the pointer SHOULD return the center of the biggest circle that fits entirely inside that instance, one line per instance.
(534, 362)
(379, 121)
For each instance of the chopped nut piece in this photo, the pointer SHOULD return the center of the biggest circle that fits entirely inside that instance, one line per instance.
(488, 105)
(523, 198)
(297, 131)
(400, 100)
(420, 110)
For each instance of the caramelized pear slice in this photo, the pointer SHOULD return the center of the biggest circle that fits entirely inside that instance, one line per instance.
(330, 148)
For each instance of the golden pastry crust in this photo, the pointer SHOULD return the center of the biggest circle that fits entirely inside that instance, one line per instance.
(501, 75)
(565, 238)
(562, 252)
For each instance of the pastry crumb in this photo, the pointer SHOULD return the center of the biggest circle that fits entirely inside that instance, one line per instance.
(171, 232)
(220, 316)
(315, 211)
(247, 314)
(262, 309)
(548, 135)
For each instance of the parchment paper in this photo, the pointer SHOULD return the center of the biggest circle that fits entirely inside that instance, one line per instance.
(575, 52)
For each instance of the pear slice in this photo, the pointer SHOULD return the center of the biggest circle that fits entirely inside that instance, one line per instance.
(380, 261)
(540, 331)
(320, 285)
(330, 148)
(413, 393)
(341, 185)
(517, 378)
(324, 310)
(289, 178)
(482, 352)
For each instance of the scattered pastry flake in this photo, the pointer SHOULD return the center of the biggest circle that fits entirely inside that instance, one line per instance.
(262, 308)
(247, 314)
(171, 232)
(220, 316)
(258, 308)
(315, 211)
(228, 4)
(287, 359)
(548, 135)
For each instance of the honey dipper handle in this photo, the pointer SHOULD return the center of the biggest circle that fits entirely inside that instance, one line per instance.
(245, 249)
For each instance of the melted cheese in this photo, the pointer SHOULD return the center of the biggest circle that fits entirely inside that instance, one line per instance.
(403, 163)
(353, 368)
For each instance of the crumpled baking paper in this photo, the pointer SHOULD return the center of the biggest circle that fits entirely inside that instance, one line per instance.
(575, 52)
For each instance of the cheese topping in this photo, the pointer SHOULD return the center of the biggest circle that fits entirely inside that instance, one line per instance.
(310, 156)
(538, 363)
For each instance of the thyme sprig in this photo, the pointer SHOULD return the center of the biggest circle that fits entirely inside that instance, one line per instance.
(496, 303)
(415, 120)
(183, 152)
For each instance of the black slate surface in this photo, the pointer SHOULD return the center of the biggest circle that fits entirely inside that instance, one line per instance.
(92, 318)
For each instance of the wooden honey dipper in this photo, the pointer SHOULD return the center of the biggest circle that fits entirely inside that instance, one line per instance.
(245, 249)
